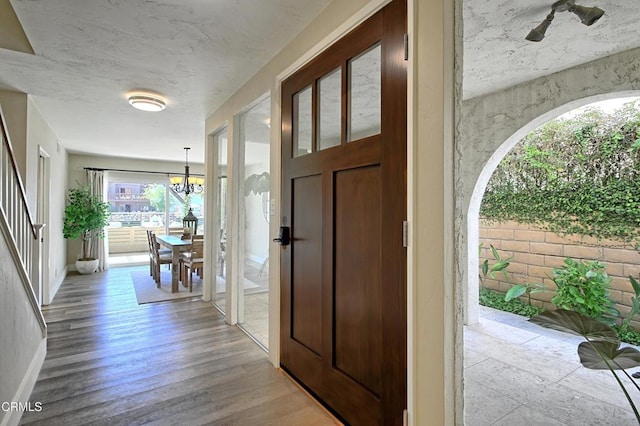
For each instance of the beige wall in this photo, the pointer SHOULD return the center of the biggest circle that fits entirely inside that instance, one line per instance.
(30, 133)
(41, 139)
(14, 110)
(432, 319)
(535, 252)
(434, 349)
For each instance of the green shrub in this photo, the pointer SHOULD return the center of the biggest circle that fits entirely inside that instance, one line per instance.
(584, 287)
(628, 335)
(635, 306)
(500, 265)
(573, 176)
(493, 299)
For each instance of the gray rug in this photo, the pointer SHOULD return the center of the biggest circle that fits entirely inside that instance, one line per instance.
(147, 292)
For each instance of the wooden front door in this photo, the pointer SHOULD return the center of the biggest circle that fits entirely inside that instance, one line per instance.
(343, 298)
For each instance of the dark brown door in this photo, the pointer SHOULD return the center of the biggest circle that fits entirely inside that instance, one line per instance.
(343, 299)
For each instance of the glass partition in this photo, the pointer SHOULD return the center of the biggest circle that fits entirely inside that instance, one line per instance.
(220, 235)
(253, 296)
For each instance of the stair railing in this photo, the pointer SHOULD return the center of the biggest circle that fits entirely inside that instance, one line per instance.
(17, 223)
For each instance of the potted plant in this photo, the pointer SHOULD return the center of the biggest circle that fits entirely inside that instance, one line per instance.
(85, 217)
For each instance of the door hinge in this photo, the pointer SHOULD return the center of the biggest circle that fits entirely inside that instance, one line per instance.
(405, 417)
(405, 234)
(406, 47)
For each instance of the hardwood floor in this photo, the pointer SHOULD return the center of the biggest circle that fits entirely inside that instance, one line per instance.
(113, 362)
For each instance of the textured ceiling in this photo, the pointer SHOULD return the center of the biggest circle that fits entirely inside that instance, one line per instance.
(496, 54)
(90, 53)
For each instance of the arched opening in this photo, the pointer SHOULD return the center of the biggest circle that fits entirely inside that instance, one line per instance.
(478, 399)
(473, 216)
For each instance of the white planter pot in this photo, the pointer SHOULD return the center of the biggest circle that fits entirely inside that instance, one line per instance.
(87, 266)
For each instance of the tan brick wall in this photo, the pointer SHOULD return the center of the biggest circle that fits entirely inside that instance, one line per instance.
(535, 252)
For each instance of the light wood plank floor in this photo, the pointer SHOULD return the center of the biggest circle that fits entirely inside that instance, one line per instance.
(113, 362)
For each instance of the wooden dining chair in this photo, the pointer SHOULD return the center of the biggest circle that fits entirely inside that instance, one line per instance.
(195, 260)
(150, 249)
(159, 258)
(175, 230)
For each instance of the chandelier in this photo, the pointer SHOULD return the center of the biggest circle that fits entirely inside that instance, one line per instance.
(187, 184)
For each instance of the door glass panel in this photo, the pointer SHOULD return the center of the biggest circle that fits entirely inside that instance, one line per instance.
(302, 122)
(330, 111)
(220, 226)
(365, 72)
(253, 295)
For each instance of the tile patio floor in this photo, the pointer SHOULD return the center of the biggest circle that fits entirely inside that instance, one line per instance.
(519, 374)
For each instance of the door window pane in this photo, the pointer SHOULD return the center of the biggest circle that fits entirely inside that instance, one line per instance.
(330, 110)
(302, 122)
(365, 73)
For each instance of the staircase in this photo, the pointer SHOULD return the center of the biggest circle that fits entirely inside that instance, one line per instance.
(17, 223)
(22, 325)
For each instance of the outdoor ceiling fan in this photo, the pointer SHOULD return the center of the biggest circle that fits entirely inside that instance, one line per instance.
(587, 15)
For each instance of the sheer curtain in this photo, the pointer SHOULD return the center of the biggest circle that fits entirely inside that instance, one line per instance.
(97, 246)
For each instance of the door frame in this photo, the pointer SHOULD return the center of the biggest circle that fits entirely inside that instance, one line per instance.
(44, 217)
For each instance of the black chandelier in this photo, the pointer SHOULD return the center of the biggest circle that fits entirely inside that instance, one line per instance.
(187, 184)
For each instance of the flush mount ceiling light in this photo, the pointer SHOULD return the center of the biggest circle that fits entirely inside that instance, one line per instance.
(147, 102)
(588, 16)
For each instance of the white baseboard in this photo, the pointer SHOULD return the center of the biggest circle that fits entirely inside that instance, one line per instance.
(12, 418)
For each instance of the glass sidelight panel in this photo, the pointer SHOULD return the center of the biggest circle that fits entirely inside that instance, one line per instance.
(330, 110)
(253, 294)
(302, 122)
(365, 94)
(220, 235)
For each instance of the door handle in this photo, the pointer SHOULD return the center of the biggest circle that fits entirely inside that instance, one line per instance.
(284, 236)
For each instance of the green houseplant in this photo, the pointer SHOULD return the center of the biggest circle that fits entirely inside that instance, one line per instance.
(85, 217)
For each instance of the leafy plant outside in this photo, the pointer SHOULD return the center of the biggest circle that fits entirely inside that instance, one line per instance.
(635, 306)
(524, 289)
(584, 287)
(499, 265)
(573, 176)
(494, 299)
(256, 184)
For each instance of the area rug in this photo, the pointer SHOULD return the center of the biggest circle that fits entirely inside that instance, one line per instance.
(147, 292)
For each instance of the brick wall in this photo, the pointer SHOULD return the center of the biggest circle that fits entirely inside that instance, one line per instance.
(535, 253)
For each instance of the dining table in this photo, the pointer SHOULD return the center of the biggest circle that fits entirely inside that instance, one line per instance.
(177, 245)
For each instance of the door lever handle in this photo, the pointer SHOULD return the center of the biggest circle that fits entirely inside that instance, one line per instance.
(284, 236)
